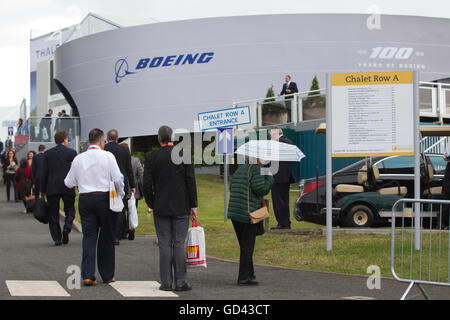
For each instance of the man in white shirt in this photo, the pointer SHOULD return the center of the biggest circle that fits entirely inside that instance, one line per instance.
(92, 172)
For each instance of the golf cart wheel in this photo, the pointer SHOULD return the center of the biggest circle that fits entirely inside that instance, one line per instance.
(359, 216)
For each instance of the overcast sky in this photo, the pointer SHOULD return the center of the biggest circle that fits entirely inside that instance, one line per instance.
(21, 18)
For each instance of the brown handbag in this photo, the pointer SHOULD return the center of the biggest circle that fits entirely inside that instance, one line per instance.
(260, 214)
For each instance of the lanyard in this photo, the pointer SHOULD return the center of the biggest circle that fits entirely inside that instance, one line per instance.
(170, 144)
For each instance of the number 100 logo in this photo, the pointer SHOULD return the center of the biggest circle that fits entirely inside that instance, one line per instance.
(391, 53)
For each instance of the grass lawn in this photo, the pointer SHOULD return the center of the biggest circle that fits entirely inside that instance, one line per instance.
(352, 254)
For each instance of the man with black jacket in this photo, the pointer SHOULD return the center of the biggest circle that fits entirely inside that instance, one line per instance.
(123, 158)
(289, 88)
(170, 191)
(56, 165)
(280, 190)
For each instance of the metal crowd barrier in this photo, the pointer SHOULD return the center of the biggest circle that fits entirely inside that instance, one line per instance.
(428, 264)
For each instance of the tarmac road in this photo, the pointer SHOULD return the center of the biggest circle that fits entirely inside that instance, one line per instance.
(27, 254)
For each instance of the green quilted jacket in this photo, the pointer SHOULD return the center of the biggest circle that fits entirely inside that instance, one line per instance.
(260, 185)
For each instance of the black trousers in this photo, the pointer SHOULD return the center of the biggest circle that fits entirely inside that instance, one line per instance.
(10, 180)
(280, 200)
(53, 212)
(97, 222)
(246, 235)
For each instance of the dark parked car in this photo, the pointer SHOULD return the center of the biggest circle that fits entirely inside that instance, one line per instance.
(365, 192)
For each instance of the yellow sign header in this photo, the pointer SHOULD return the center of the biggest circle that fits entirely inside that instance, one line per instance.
(372, 78)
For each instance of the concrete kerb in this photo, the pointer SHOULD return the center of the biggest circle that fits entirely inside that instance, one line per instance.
(336, 231)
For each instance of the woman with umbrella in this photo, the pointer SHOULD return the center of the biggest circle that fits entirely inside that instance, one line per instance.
(248, 186)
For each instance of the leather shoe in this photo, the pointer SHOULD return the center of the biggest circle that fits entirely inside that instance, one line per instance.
(58, 243)
(116, 242)
(185, 287)
(89, 283)
(248, 282)
(165, 288)
(131, 235)
(280, 228)
(110, 281)
(65, 237)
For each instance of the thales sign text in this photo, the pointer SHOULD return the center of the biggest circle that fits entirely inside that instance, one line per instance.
(122, 67)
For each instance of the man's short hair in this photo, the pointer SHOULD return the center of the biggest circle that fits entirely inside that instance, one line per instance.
(113, 135)
(289, 77)
(41, 148)
(165, 134)
(276, 128)
(96, 135)
(60, 136)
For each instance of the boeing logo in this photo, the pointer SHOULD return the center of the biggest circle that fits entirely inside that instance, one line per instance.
(122, 67)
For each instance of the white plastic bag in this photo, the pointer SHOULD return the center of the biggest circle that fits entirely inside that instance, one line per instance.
(133, 220)
(196, 246)
(115, 202)
(45, 134)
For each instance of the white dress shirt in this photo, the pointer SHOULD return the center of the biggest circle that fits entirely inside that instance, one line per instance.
(93, 170)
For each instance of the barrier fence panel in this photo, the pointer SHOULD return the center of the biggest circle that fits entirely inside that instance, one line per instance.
(431, 264)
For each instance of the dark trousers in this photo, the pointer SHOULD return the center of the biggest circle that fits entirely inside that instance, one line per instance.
(53, 213)
(171, 232)
(97, 221)
(246, 235)
(10, 180)
(120, 223)
(444, 218)
(280, 200)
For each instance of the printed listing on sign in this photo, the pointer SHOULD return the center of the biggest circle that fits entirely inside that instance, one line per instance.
(372, 114)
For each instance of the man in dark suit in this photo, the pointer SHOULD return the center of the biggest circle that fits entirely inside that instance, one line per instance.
(123, 158)
(281, 188)
(36, 169)
(46, 123)
(170, 191)
(445, 212)
(289, 88)
(56, 165)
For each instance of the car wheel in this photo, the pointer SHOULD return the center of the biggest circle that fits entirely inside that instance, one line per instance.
(359, 216)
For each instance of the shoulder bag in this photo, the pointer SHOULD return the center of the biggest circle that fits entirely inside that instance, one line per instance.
(260, 214)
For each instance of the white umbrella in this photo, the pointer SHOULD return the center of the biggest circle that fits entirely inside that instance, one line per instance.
(270, 150)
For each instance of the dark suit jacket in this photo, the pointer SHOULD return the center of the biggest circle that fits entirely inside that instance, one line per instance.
(292, 87)
(36, 170)
(123, 158)
(169, 189)
(56, 166)
(446, 181)
(284, 174)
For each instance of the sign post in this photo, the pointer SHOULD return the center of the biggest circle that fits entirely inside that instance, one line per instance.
(225, 147)
(223, 120)
(372, 114)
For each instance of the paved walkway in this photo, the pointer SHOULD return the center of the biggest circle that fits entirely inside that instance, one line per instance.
(32, 268)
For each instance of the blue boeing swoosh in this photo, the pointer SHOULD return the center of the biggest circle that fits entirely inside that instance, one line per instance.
(121, 69)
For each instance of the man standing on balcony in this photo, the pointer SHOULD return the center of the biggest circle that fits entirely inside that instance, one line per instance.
(46, 124)
(289, 88)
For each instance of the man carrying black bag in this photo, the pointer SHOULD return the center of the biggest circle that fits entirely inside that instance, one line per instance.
(41, 210)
